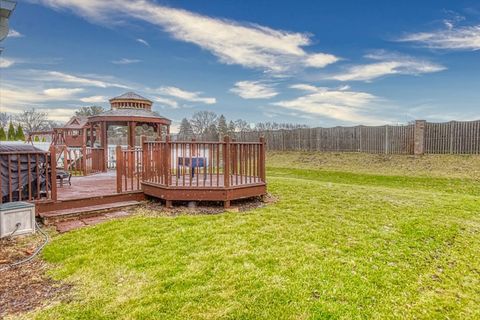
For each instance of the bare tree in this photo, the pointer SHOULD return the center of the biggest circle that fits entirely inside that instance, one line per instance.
(242, 125)
(202, 120)
(89, 111)
(4, 119)
(33, 120)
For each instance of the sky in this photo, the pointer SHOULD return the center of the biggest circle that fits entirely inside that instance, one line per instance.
(320, 63)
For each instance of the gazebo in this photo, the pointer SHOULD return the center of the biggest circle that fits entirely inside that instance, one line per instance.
(130, 111)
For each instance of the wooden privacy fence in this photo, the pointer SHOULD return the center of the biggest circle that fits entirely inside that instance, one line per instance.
(80, 161)
(453, 137)
(383, 139)
(421, 137)
(192, 164)
(27, 176)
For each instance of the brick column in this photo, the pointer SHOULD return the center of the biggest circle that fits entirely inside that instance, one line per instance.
(419, 137)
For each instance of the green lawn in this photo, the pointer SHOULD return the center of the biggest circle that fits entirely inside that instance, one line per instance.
(337, 245)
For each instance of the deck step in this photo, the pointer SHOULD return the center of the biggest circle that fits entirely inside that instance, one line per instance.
(84, 212)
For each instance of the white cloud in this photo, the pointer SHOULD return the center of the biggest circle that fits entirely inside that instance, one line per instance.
(166, 101)
(6, 63)
(452, 38)
(14, 34)
(62, 93)
(185, 95)
(343, 105)
(94, 99)
(249, 45)
(388, 64)
(15, 96)
(125, 61)
(254, 90)
(81, 80)
(144, 42)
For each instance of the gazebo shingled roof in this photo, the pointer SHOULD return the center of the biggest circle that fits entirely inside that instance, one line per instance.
(130, 96)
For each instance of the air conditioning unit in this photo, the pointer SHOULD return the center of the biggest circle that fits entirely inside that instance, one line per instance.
(17, 218)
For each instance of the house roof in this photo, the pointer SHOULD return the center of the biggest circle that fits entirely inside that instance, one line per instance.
(76, 122)
(130, 96)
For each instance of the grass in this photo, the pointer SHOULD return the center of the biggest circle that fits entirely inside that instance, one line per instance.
(343, 244)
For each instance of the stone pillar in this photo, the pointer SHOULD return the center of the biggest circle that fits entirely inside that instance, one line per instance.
(419, 137)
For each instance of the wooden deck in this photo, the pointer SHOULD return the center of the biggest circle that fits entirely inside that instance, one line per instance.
(99, 184)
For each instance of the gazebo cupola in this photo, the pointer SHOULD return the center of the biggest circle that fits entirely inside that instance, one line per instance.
(130, 100)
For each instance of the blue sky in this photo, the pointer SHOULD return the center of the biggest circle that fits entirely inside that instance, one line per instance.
(320, 63)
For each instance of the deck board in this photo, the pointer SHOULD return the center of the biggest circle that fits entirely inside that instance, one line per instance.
(94, 185)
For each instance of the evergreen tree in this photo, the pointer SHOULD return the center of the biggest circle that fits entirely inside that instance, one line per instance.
(36, 139)
(222, 127)
(3, 135)
(231, 128)
(211, 133)
(11, 135)
(44, 139)
(20, 135)
(186, 131)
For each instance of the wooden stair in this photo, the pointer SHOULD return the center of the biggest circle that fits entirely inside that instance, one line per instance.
(52, 217)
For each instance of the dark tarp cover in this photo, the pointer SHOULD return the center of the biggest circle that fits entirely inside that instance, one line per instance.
(16, 152)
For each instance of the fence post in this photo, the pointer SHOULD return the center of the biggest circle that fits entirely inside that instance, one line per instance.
(119, 167)
(262, 159)
(419, 137)
(226, 161)
(451, 125)
(53, 173)
(84, 160)
(386, 139)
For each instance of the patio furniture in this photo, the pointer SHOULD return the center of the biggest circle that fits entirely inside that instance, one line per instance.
(196, 162)
(62, 174)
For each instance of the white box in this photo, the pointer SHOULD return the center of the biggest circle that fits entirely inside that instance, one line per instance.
(12, 213)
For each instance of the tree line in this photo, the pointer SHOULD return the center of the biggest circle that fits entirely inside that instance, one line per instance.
(207, 125)
(15, 127)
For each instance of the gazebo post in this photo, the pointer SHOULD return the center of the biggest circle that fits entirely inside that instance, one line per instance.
(92, 125)
(159, 131)
(131, 134)
(104, 145)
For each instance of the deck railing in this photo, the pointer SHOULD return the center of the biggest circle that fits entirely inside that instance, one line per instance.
(27, 176)
(129, 166)
(80, 161)
(192, 164)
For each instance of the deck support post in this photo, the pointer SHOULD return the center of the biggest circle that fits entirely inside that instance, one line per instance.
(104, 145)
(53, 173)
(167, 161)
(144, 157)
(226, 160)
(168, 203)
(119, 167)
(84, 160)
(262, 159)
(226, 204)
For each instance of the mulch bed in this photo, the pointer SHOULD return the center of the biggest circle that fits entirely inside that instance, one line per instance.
(206, 207)
(25, 287)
